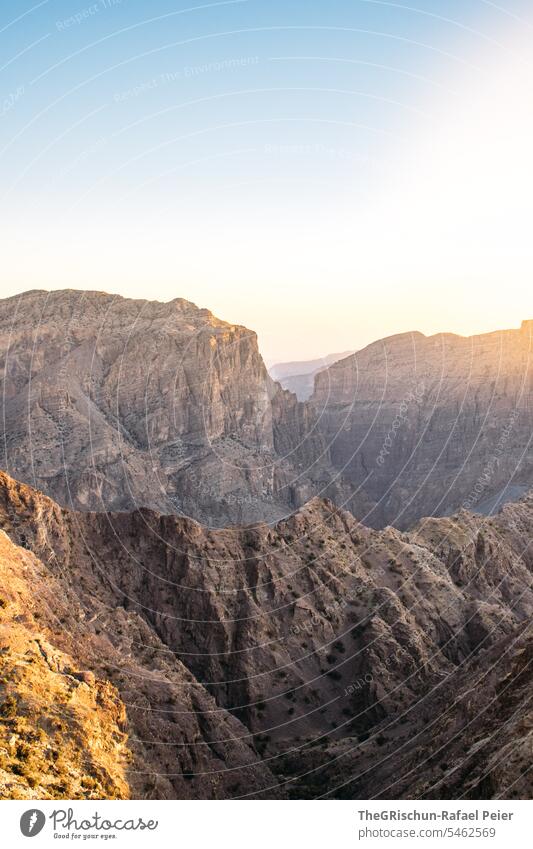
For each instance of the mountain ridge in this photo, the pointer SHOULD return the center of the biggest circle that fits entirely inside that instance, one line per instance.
(110, 400)
(427, 424)
(317, 636)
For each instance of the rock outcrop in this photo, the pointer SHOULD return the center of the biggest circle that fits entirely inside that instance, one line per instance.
(301, 651)
(62, 730)
(92, 703)
(426, 425)
(114, 404)
(110, 403)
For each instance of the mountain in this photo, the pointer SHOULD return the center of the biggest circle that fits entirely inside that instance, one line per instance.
(317, 656)
(299, 652)
(426, 425)
(89, 680)
(111, 403)
(299, 377)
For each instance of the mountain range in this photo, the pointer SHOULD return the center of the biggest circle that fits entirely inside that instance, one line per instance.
(210, 589)
(144, 656)
(111, 403)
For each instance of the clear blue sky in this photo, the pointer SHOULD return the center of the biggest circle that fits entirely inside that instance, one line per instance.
(255, 157)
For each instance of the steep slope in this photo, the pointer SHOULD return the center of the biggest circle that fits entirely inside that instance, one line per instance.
(469, 738)
(317, 635)
(93, 682)
(112, 403)
(61, 730)
(429, 424)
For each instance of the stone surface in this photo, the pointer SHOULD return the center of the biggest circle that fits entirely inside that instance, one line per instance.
(92, 680)
(298, 651)
(112, 403)
(429, 424)
(62, 731)
(303, 650)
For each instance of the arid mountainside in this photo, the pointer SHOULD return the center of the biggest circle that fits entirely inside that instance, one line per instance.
(111, 403)
(114, 404)
(281, 660)
(426, 425)
(91, 681)
(61, 729)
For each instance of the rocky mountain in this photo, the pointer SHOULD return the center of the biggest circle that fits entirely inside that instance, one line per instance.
(110, 403)
(90, 680)
(314, 657)
(299, 377)
(426, 425)
(114, 404)
(300, 651)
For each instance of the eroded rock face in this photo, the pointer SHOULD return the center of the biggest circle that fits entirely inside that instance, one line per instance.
(287, 657)
(62, 730)
(429, 424)
(90, 680)
(321, 643)
(470, 738)
(112, 403)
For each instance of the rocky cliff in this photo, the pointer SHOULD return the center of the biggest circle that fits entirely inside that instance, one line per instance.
(280, 660)
(110, 403)
(89, 680)
(113, 404)
(305, 654)
(429, 424)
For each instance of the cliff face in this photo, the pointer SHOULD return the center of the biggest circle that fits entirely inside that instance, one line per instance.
(298, 643)
(112, 403)
(429, 424)
(92, 703)
(309, 655)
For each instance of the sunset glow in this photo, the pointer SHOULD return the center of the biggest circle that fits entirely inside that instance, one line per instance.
(290, 175)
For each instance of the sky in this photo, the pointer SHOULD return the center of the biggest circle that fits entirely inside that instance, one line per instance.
(325, 173)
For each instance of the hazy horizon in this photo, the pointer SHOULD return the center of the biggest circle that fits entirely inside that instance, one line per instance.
(324, 176)
(316, 354)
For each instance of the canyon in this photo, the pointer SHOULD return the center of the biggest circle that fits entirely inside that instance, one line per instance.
(114, 403)
(299, 377)
(210, 589)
